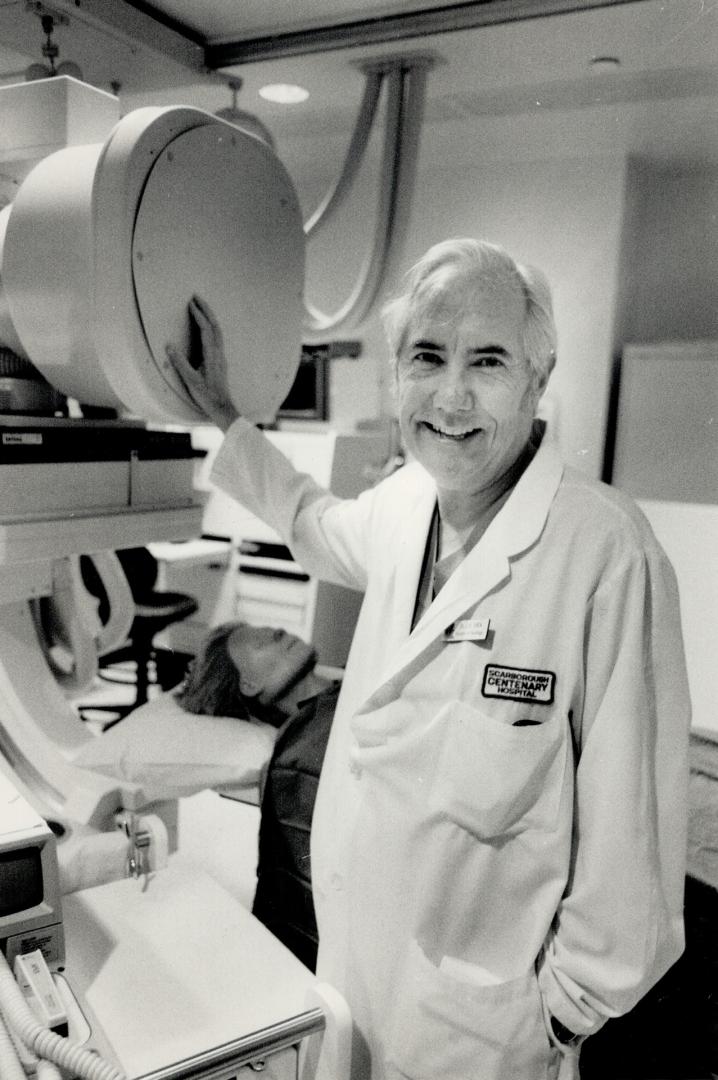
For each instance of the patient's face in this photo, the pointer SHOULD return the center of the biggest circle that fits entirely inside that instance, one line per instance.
(269, 660)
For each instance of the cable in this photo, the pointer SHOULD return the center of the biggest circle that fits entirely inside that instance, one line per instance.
(10, 1067)
(30, 1062)
(362, 129)
(47, 1070)
(62, 1052)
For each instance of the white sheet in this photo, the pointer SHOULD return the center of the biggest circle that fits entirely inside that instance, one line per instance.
(171, 753)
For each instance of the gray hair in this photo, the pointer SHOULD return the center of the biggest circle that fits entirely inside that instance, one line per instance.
(465, 261)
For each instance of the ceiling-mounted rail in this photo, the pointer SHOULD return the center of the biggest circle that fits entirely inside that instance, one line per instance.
(391, 28)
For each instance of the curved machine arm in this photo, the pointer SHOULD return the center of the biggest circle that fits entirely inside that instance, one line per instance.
(71, 618)
(406, 78)
(355, 154)
(40, 732)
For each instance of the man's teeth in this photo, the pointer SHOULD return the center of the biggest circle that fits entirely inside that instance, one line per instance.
(450, 433)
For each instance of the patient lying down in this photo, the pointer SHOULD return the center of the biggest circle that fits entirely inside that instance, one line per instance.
(251, 719)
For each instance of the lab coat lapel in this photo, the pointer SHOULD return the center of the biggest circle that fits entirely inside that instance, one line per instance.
(516, 527)
(406, 570)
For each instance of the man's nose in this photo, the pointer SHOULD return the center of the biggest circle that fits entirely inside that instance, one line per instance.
(454, 391)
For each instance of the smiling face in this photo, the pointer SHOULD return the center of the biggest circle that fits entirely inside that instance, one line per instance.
(466, 393)
(269, 660)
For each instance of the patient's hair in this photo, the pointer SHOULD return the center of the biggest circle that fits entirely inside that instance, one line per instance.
(212, 684)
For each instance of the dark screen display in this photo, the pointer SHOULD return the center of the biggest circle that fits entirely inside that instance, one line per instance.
(307, 397)
(20, 880)
(303, 394)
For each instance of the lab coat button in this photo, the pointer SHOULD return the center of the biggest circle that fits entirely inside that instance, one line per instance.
(355, 768)
(337, 882)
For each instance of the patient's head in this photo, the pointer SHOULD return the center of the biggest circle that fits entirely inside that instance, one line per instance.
(269, 660)
(248, 672)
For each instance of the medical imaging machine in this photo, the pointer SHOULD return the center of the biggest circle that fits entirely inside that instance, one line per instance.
(111, 225)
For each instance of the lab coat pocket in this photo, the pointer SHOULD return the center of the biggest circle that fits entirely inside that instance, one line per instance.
(495, 779)
(459, 1029)
(373, 729)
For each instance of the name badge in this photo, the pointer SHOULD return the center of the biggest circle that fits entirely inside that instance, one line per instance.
(468, 630)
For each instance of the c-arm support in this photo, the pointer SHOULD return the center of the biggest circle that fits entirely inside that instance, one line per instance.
(39, 729)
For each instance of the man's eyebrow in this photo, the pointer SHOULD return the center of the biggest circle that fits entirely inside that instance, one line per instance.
(430, 346)
(493, 350)
(480, 350)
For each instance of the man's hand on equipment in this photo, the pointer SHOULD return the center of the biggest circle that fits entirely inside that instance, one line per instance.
(203, 372)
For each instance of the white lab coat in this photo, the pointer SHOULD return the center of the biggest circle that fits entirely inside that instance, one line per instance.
(473, 878)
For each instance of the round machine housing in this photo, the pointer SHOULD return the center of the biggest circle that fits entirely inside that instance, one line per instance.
(104, 245)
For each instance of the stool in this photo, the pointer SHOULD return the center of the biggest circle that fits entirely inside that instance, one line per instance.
(154, 611)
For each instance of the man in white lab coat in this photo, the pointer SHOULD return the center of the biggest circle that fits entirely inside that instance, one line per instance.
(499, 837)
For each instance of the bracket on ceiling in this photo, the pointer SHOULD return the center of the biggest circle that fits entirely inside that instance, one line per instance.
(42, 10)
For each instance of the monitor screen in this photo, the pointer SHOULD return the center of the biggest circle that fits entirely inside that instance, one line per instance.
(308, 398)
(21, 880)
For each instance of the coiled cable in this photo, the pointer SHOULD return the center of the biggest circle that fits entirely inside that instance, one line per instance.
(47, 1044)
(10, 1066)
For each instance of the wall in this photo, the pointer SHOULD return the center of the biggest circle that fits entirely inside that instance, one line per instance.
(669, 279)
(669, 260)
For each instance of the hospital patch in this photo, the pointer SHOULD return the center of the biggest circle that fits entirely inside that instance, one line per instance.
(518, 684)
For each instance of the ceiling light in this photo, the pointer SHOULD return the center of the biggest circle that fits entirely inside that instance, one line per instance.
(284, 93)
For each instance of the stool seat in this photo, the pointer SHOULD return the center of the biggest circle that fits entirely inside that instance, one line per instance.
(164, 608)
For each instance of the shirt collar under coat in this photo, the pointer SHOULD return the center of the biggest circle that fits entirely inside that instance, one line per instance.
(515, 528)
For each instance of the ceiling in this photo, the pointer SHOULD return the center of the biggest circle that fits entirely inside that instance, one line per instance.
(520, 85)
